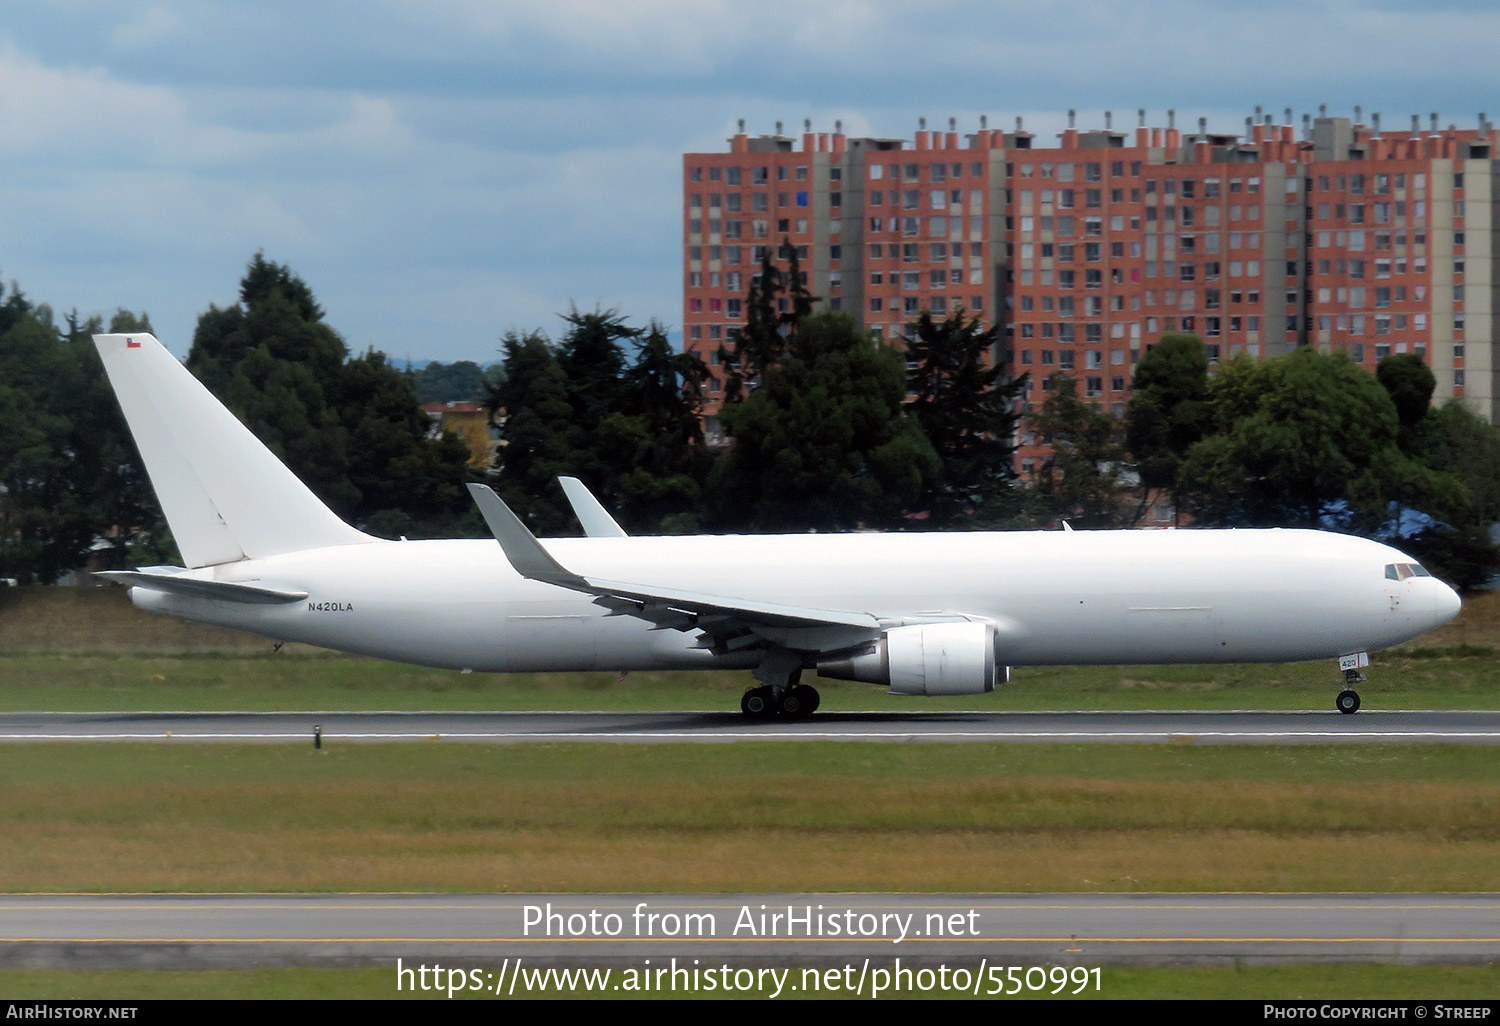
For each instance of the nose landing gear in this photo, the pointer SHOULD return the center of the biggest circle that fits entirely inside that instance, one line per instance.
(1348, 700)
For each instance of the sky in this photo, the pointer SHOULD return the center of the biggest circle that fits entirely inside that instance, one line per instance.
(442, 172)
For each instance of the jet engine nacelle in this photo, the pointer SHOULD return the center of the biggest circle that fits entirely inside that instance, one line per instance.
(927, 659)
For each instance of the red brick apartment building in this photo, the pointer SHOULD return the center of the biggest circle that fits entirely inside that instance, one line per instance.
(1343, 236)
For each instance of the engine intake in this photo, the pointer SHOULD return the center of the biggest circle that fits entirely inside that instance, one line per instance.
(927, 659)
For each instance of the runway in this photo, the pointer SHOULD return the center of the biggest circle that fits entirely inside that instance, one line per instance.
(807, 930)
(1229, 727)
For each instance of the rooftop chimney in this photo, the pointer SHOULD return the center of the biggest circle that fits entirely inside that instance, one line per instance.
(953, 124)
(778, 128)
(1109, 120)
(1171, 117)
(742, 126)
(1140, 114)
(1071, 115)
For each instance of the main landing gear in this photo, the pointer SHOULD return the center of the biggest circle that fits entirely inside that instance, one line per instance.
(797, 702)
(780, 694)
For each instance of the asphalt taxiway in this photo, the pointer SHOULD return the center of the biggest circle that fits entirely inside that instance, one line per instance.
(788, 929)
(1226, 727)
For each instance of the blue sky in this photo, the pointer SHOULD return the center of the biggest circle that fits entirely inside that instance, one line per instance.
(443, 171)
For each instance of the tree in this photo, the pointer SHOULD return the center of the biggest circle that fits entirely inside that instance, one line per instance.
(540, 439)
(409, 483)
(1294, 432)
(1409, 382)
(1081, 478)
(656, 440)
(350, 429)
(1169, 411)
(460, 381)
(592, 359)
(776, 303)
(823, 443)
(1456, 440)
(967, 411)
(69, 475)
(625, 422)
(1304, 437)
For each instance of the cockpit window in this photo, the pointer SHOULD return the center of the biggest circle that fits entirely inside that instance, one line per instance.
(1401, 571)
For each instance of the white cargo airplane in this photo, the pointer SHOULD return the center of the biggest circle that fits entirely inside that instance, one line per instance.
(924, 614)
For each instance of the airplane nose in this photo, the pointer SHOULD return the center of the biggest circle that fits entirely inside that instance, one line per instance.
(1445, 602)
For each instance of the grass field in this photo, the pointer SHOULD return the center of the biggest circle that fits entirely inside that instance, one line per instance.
(707, 818)
(89, 649)
(1335, 982)
(853, 817)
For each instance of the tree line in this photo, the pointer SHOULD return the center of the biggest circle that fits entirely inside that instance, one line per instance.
(826, 430)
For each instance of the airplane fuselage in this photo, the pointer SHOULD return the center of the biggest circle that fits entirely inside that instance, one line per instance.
(1056, 598)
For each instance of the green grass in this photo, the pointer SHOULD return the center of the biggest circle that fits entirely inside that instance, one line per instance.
(674, 818)
(1260, 983)
(1432, 678)
(90, 650)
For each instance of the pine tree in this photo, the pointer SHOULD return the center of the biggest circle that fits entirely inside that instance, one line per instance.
(965, 400)
(352, 430)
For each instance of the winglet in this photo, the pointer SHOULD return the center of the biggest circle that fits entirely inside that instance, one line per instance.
(521, 547)
(596, 521)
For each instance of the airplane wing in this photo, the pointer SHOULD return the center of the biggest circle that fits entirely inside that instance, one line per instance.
(726, 623)
(596, 521)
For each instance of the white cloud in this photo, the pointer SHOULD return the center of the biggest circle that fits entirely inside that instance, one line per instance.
(153, 25)
(443, 170)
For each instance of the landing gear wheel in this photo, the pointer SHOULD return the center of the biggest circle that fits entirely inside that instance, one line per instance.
(811, 698)
(1348, 702)
(757, 703)
(799, 701)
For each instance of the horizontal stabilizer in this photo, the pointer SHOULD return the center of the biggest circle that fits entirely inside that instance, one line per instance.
(225, 591)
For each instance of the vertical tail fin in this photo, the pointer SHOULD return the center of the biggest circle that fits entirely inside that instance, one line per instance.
(226, 496)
